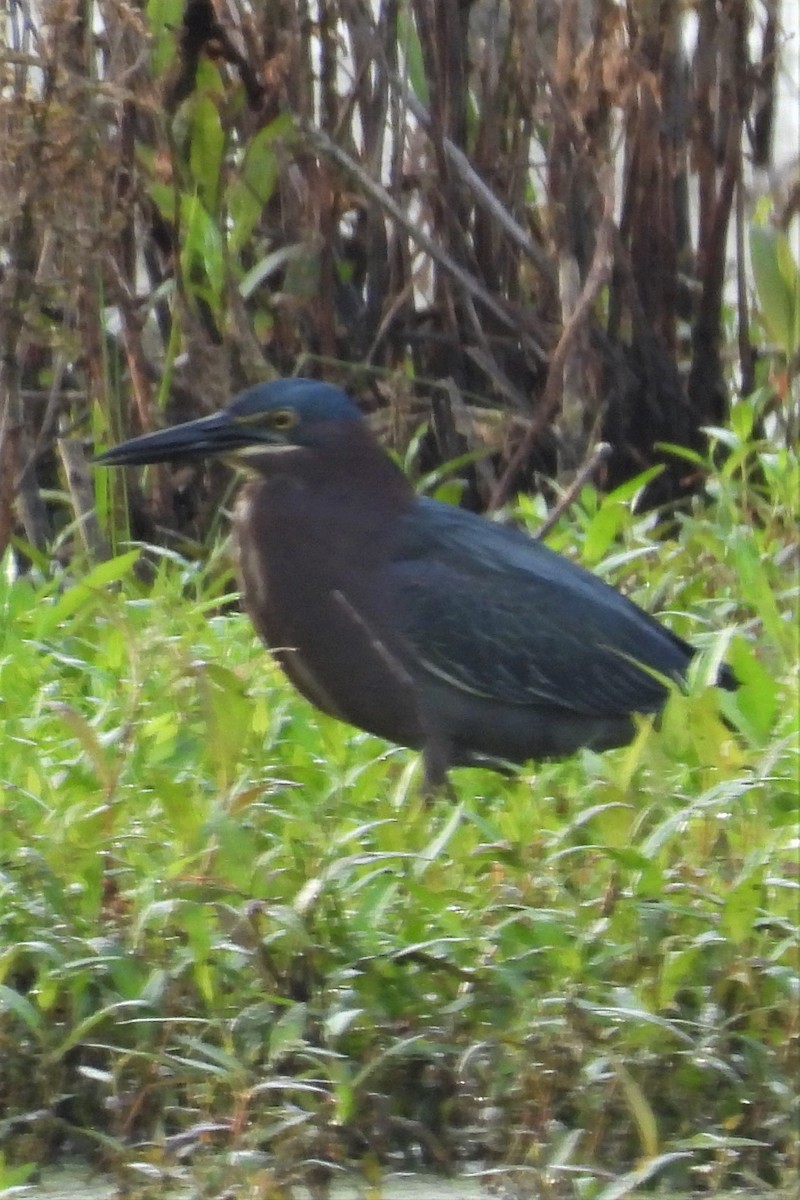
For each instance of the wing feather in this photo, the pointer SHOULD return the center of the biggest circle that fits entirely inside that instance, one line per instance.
(499, 615)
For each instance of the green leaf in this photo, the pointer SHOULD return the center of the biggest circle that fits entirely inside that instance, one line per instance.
(203, 255)
(602, 531)
(742, 419)
(682, 452)
(206, 149)
(408, 38)
(109, 1012)
(164, 18)
(439, 842)
(163, 196)
(13, 1178)
(632, 487)
(741, 906)
(758, 697)
(12, 1001)
(227, 714)
(755, 586)
(777, 281)
(87, 592)
(266, 266)
(288, 1033)
(630, 1182)
(256, 183)
(640, 1110)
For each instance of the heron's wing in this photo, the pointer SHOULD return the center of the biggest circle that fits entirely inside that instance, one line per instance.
(497, 614)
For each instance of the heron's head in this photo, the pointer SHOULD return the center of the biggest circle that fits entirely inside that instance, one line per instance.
(270, 418)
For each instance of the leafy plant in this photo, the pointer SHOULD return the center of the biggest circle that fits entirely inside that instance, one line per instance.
(228, 921)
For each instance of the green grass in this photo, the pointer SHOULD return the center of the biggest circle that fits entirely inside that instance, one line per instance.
(229, 923)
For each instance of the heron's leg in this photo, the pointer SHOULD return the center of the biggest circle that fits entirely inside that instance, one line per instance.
(437, 755)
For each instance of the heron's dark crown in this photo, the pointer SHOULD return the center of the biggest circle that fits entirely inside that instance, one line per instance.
(306, 405)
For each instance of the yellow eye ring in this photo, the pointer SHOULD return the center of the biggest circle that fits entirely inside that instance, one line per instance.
(283, 419)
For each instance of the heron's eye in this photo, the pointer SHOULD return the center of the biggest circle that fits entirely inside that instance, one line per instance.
(284, 418)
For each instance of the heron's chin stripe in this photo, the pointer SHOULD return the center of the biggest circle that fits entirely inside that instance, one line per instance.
(257, 448)
(245, 458)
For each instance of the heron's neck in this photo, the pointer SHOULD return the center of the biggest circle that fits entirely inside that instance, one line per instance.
(348, 467)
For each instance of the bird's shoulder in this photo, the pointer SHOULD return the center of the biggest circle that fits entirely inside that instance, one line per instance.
(504, 616)
(445, 538)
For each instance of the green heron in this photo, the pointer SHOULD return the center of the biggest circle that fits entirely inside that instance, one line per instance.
(417, 621)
